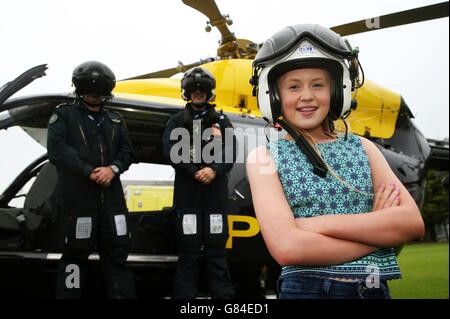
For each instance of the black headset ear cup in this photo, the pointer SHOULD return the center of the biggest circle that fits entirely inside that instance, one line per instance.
(335, 97)
(275, 100)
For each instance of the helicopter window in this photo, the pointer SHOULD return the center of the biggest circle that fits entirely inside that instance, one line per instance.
(19, 199)
(251, 133)
(415, 149)
(148, 187)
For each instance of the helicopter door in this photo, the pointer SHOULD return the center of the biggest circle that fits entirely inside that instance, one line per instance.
(7, 119)
(20, 82)
(18, 222)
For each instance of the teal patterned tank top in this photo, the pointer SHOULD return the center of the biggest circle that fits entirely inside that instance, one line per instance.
(309, 195)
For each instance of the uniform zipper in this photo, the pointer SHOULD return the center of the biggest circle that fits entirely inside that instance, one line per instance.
(101, 150)
(82, 134)
(113, 133)
(102, 161)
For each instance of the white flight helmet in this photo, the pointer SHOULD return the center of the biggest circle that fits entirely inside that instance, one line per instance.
(305, 46)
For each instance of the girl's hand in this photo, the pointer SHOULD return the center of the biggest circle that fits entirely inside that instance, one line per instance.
(386, 197)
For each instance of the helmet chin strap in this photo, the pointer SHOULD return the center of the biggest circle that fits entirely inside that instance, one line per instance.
(200, 105)
(100, 104)
(320, 168)
(94, 106)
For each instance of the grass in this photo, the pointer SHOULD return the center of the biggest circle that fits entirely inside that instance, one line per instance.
(424, 271)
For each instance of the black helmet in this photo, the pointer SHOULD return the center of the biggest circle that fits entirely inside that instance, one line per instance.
(198, 78)
(93, 77)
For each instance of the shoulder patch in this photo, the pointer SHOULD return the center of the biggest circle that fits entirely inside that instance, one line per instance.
(115, 117)
(115, 113)
(61, 105)
(53, 118)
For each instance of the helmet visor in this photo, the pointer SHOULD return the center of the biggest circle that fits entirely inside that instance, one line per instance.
(99, 88)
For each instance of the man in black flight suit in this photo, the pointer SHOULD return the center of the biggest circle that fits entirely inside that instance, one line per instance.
(90, 148)
(201, 187)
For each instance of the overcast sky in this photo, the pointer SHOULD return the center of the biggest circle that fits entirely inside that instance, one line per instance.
(139, 36)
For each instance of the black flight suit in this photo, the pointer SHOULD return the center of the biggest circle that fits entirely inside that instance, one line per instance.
(91, 215)
(202, 208)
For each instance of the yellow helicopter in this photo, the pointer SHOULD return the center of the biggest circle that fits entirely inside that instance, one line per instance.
(146, 102)
(378, 107)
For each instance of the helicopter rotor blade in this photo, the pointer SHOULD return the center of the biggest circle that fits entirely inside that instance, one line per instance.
(169, 72)
(209, 8)
(158, 74)
(431, 12)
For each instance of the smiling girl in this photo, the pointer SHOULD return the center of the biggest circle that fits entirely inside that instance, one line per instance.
(316, 206)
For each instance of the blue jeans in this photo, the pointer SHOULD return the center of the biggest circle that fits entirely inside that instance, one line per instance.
(304, 287)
